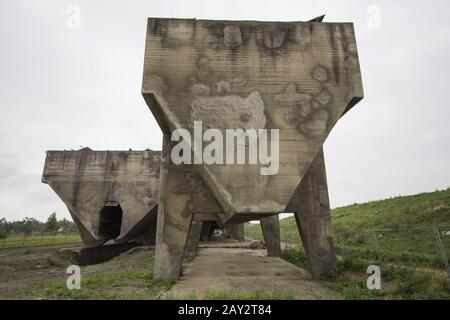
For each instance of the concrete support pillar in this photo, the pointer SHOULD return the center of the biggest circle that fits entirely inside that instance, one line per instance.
(313, 215)
(207, 231)
(175, 211)
(237, 232)
(194, 238)
(147, 234)
(271, 231)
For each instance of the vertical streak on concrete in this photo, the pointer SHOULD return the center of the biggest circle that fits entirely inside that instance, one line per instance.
(313, 216)
(271, 231)
(175, 213)
(194, 238)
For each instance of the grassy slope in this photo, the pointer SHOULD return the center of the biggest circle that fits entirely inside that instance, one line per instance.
(413, 266)
(422, 210)
(418, 210)
(401, 212)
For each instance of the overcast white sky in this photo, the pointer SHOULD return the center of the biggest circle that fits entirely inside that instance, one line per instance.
(63, 88)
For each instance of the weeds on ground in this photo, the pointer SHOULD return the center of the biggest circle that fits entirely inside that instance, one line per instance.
(122, 285)
(129, 285)
(350, 279)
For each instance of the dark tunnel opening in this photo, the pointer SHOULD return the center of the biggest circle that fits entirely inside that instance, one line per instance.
(110, 220)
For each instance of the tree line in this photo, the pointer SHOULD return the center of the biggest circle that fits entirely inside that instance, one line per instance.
(31, 225)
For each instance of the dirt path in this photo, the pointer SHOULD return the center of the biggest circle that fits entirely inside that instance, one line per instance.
(243, 270)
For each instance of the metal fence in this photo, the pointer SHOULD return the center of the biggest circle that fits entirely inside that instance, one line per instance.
(43, 239)
(424, 247)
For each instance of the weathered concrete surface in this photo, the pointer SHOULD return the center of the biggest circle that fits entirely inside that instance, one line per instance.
(313, 215)
(236, 232)
(229, 75)
(271, 231)
(86, 180)
(202, 229)
(109, 194)
(227, 243)
(193, 239)
(240, 74)
(175, 212)
(176, 208)
(236, 270)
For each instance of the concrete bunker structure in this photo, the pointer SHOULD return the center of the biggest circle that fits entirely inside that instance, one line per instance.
(297, 77)
(112, 197)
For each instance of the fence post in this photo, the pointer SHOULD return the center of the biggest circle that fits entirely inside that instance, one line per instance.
(377, 245)
(23, 242)
(4, 242)
(441, 250)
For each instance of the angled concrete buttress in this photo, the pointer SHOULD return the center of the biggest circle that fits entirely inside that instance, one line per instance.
(111, 195)
(311, 207)
(297, 77)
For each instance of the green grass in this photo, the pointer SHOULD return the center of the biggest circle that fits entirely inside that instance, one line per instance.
(18, 241)
(401, 212)
(296, 257)
(353, 225)
(105, 286)
(128, 285)
(398, 282)
(413, 266)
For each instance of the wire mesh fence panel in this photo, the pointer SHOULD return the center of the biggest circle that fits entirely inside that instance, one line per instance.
(290, 235)
(445, 237)
(357, 245)
(291, 244)
(440, 243)
(412, 248)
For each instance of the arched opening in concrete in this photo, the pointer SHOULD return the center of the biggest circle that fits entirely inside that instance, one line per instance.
(110, 220)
